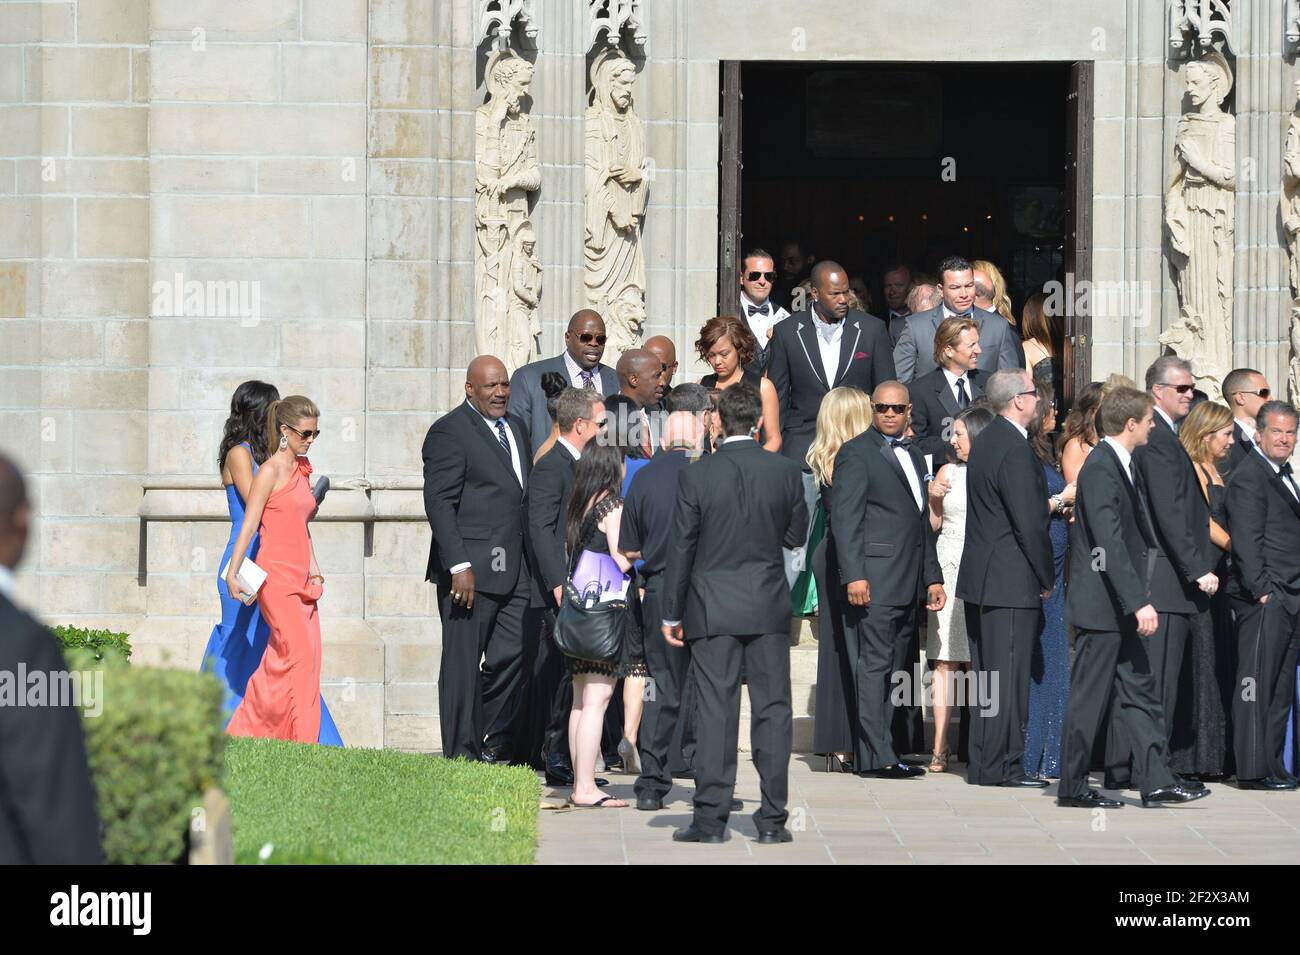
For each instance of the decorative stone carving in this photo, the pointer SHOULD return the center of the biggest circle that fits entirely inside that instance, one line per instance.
(496, 20)
(1199, 216)
(1291, 27)
(1291, 226)
(610, 19)
(507, 177)
(1194, 23)
(616, 193)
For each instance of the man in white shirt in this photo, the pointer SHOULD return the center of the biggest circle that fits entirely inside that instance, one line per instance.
(1263, 504)
(757, 308)
(1245, 390)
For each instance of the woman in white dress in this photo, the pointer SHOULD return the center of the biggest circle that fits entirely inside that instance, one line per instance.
(945, 644)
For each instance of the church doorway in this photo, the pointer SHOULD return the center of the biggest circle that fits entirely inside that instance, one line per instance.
(874, 164)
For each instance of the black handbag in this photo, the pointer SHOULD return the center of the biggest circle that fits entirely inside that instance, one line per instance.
(586, 627)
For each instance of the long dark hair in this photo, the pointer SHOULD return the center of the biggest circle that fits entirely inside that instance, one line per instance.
(598, 471)
(247, 422)
(1081, 421)
(1039, 438)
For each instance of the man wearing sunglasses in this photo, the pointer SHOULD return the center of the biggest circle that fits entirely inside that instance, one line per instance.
(584, 346)
(1245, 390)
(758, 308)
(1182, 580)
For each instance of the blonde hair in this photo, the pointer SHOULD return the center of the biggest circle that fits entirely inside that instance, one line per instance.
(288, 412)
(948, 335)
(1001, 301)
(844, 414)
(1201, 422)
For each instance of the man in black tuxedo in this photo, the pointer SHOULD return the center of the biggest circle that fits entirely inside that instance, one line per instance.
(941, 395)
(897, 283)
(1264, 517)
(758, 309)
(1109, 604)
(665, 741)
(999, 344)
(1245, 390)
(1006, 571)
(885, 547)
(47, 797)
(726, 592)
(579, 363)
(579, 413)
(813, 351)
(477, 461)
(1183, 578)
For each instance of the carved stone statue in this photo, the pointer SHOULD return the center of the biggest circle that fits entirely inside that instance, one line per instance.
(1291, 226)
(525, 322)
(616, 191)
(506, 176)
(1199, 215)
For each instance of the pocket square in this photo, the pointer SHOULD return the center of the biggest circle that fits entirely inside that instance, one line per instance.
(858, 356)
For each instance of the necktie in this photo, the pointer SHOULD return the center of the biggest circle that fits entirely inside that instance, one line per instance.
(963, 399)
(752, 310)
(589, 380)
(646, 447)
(501, 436)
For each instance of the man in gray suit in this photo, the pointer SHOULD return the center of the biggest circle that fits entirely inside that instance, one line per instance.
(579, 363)
(999, 344)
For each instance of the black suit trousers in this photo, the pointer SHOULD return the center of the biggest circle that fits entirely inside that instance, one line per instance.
(664, 719)
(715, 667)
(470, 699)
(1001, 648)
(877, 642)
(1166, 649)
(1268, 637)
(1114, 666)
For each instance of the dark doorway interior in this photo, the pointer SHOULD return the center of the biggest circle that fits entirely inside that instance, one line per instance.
(849, 159)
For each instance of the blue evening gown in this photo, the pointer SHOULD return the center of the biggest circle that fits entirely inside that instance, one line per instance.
(1049, 686)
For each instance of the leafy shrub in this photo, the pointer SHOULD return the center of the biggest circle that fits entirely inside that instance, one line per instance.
(97, 641)
(155, 749)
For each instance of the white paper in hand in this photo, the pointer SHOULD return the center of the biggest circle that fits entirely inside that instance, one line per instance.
(250, 577)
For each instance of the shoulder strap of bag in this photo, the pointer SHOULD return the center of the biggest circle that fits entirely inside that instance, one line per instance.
(594, 517)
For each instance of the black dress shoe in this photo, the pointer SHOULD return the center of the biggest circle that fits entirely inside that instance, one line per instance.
(1268, 783)
(775, 836)
(559, 771)
(1173, 793)
(1187, 782)
(737, 805)
(1110, 782)
(1024, 782)
(1092, 800)
(896, 771)
(649, 802)
(493, 755)
(692, 834)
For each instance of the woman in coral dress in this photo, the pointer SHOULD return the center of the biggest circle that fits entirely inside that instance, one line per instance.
(282, 699)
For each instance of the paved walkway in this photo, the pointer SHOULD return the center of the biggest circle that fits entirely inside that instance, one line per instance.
(838, 818)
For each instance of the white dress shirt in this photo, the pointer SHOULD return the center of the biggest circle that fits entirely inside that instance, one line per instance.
(909, 471)
(1247, 428)
(1168, 420)
(1024, 432)
(570, 448)
(761, 325)
(828, 342)
(576, 372)
(1288, 481)
(949, 313)
(7, 583)
(1125, 458)
(514, 462)
(952, 385)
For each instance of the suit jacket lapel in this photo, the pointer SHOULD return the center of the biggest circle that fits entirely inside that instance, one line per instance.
(807, 335)
(1276, 482)
(888, 453)
(946, 397)
(848, 349)
(1140, 511)
(488, 436)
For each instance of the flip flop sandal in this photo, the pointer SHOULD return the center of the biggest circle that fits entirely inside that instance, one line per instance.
(599, 803)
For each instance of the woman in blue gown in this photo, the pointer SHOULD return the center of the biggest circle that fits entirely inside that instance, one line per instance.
(1049, 686)
(235, 648)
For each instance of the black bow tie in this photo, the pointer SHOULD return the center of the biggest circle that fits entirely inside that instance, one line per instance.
(900, 443)
(752, 310)
(1285, 470)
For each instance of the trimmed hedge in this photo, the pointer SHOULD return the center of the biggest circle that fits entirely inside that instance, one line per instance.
(154, 750)
(96, 641)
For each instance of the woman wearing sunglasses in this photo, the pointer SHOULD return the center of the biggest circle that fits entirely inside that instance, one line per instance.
(282, 699)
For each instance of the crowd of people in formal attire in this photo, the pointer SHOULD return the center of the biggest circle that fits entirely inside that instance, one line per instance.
(615, 554)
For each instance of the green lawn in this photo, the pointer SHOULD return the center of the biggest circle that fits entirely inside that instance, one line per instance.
(327, 805)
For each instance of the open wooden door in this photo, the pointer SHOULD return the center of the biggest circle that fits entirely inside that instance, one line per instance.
(729, 190)
(1077, 357)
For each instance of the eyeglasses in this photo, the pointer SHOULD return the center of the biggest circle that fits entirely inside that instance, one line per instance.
(587, 338)
(305, 435)
(882, 408)
(1262, 392)
(755, 276)
(1032, 391)
(1181, 389)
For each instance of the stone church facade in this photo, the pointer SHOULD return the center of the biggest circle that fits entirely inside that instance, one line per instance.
(349, 198)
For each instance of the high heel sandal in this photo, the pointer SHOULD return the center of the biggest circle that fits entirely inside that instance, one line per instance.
(837, 764)
(939, 762)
